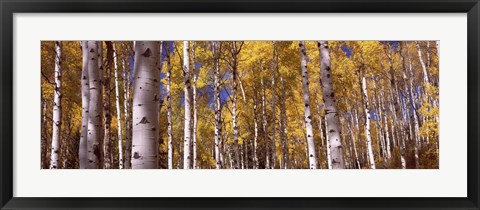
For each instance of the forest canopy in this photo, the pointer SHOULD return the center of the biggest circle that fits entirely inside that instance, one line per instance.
(240, 104)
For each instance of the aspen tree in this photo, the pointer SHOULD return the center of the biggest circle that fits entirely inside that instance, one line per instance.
(117, 105)
(255, 123)
(234, 51)
(264, 125)
(366, 112)
(283, 126)
(216, 50)
(82, 147)
(169, 106)
(274, 112)
(57, 109)
(187, 133)
(127, 115)
(312, 158)
(145, 105)
(331, 113)
(94, 149)
(424, 68)
(194, 99)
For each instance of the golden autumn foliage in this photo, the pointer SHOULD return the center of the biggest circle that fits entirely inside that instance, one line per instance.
(403, 110)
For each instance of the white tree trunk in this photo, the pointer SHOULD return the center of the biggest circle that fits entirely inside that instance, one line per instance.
(438, 48)
(331, 114)
(146, 94)
(119, 113)
(82, 147)
(57, 109)
(387, 136)
(236, 160)
(413, 110)
(312, 157)
(94, 108)
(274, 109)
(329, 153)
(367, 120)
(218, 124)
(264, 127)
(399, 111)
(194, 96)
(187, 130)
(424, 68)
(255, 123)
(283, 126)
(126, 105)
(169, 107)
(244, 147)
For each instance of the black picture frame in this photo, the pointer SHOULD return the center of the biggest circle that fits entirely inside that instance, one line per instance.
(10, 7)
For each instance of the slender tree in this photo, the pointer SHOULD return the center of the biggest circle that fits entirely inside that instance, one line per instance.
(169, 106)
(94, 108)
(312, 157)
(216, 50)
(127, 115)
(82, 147)
(424, 68)
(194, 99)
(234, 51)
(117, 105)
(274, 108)
(413, 110)
(265, 124)
(255, 123)
(187, 158)
(331, 113)
(283, 125)
(366, 107)
(57, 108)
(146, 94)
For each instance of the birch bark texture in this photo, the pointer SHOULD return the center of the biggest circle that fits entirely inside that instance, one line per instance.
(94, 107)
(366, 107)
(216, 48)
(187, 129)
(118, 109)
(194, 99)
(233, 64)
(312, 158)
(107, 150)
(145, 112)
(127, 115)
(274, 108)
(331, 113)
(169, 107)
(57, 109)
(82, 147)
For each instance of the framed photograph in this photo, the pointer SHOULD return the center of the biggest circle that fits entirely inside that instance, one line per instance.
(239, 105)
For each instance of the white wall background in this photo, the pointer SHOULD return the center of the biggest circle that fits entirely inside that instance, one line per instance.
(449, 180)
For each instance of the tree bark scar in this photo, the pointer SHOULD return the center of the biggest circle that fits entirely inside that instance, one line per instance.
(96, 151)
(144, 121)
(147, 53)
(136, 155)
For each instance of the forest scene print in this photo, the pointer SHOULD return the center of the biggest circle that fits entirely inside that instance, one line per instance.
(239, 104)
